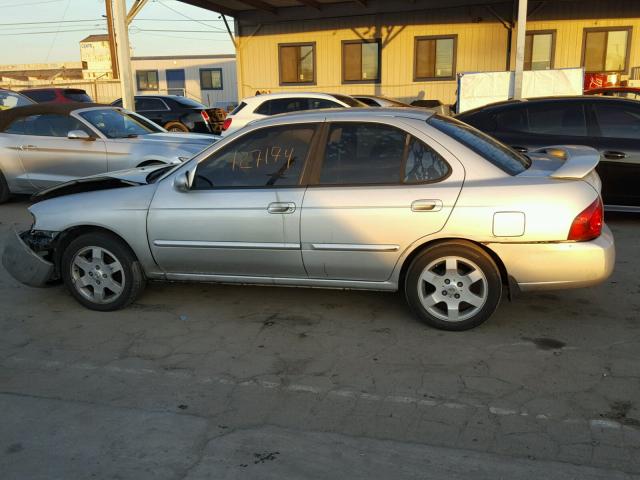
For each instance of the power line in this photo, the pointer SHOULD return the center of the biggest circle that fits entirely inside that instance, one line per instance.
(51, 21)
(53, 42)
(188, 17)
(42, 33)
(177, 31)
(30, 3)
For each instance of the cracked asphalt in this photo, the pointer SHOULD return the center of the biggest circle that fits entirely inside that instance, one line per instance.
(206, 381)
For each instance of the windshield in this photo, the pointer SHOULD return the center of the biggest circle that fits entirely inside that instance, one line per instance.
(395, 103)
(352, 102)
(11, 99)
(488, 147)
(115, 123)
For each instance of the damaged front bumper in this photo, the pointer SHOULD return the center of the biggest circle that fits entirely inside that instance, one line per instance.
(25, 257)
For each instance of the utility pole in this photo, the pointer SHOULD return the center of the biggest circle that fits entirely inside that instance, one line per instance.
(124, 53)
(112, 39)
(520, 44)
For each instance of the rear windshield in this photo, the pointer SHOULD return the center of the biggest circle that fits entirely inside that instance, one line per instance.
(78, 96)
(187, 102)
(352, 102)
(488, 147)
(238, 108)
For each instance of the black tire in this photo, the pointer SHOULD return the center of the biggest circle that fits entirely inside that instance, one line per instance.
(131, 277)
(176, 127)
(467, 257)
(4, 189)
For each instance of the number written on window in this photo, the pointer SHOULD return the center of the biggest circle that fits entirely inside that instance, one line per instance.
(264, 158)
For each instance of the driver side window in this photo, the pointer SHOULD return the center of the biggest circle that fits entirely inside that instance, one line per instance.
(265, 158)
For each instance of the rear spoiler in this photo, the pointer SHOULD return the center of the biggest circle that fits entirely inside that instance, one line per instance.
(579, 160)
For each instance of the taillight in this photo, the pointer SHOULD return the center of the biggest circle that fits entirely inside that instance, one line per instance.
(227, 123)
(205, 115)
(588, 224)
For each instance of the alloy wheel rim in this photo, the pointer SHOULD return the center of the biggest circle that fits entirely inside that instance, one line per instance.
(97, 274)
(453, 289)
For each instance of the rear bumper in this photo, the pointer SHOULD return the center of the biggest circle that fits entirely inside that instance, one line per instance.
(555, 266)
(24, 264)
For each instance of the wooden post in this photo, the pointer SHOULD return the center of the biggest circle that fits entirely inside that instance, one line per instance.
(124, 54)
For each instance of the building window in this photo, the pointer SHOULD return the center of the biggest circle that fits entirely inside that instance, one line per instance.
(606, 49)
(435, 58)
(147, 79)
(297, 63)
(361, 61)
(539, 50)
(211, 79)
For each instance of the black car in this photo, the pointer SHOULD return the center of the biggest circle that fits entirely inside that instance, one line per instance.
(178, 114)
(610, 125)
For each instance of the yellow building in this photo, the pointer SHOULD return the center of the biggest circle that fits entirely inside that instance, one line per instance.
(411, 49)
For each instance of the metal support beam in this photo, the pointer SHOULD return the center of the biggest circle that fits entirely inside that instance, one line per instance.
(520, 43)
(124, 53)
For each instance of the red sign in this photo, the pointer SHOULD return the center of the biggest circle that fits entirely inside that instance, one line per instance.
(600, 80)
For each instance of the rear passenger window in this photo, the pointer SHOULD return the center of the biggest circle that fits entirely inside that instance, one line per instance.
(511, 119)
(319, 103)
(618, 121)
(565, 119)
(359, 153)
(282, 105)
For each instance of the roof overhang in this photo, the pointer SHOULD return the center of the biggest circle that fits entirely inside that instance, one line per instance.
(272, 11)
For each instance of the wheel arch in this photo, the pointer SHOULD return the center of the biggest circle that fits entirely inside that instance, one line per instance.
(504, 276)
(70, 234)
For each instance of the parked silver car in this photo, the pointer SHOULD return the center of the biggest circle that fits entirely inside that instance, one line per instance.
(379, 199)
(46, 144)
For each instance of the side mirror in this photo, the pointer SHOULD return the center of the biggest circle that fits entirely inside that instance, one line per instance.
(181, 182)
(79, 135)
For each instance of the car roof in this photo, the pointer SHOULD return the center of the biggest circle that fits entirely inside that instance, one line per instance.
(53, 89)
(570, 98)
(271, 96)
(8, 116)
(346, 114)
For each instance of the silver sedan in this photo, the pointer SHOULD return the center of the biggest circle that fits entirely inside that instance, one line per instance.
(45, 144)
(385, 199)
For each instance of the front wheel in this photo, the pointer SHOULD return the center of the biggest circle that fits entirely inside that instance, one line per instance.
(101, 272)
(453, 286)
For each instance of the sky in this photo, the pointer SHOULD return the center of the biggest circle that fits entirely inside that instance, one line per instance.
(163, 27)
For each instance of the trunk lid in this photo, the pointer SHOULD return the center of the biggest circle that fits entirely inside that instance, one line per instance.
(573, 162)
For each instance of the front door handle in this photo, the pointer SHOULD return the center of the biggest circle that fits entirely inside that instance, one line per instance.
(520, 149)
(27, 147)
(281, 207)
(611, 155)
(426, 206)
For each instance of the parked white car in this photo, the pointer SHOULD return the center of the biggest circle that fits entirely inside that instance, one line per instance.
(262, 106)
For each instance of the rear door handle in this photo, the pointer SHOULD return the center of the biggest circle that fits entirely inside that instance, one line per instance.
(519, 148)
(611, 155)
(281, 207)
(426, 206)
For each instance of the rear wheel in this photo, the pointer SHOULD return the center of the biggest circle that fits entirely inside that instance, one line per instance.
(176, 127)
(101, 272)
(453, 286)
(4, 189)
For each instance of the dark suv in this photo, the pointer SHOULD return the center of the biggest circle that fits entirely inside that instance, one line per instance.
(178, 114)
(610, 125)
